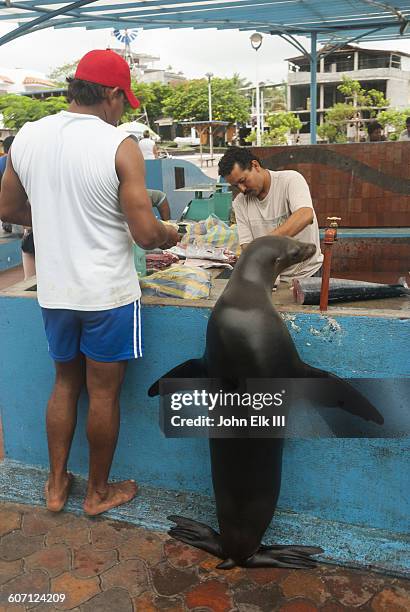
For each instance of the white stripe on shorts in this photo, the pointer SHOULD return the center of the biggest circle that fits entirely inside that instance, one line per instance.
(137, 330)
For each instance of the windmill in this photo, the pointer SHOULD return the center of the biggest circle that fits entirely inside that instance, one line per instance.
(126, 37)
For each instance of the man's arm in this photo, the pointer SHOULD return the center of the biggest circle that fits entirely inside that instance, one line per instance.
(164, 210)
(145, 229)
(14, 206)
(155, 151)
(294, 224)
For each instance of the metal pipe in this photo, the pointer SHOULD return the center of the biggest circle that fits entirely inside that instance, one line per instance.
(329, 240)
(313, 87)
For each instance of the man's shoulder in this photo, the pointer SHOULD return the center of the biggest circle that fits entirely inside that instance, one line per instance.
(287, 175)
(239, 201)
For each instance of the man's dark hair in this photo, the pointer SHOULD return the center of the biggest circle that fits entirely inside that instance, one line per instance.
(236, 155)
(85, 93)
(7, 142)
(407, 120)
(146, 134)
(373, 126)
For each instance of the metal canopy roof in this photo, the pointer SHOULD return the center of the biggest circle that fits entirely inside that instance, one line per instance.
(333, 21)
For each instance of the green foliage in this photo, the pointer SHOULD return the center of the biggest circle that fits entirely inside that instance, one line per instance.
(189, 101)
(357, 100)
(281, 125)
(394, 120)
(17, 110)
(151, 96)
(334, 127)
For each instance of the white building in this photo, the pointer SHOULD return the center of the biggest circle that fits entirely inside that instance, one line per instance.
(384, 70)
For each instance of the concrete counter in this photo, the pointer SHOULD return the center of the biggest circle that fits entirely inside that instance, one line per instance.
(348, 495)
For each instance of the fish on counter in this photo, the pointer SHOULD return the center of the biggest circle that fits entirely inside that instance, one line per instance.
(307, 290)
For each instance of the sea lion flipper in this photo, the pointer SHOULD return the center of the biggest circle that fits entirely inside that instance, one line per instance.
(289, 557)
(193, 368)
(196, 534)
(341, 394)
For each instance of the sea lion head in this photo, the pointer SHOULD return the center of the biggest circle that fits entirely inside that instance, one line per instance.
(268, 256)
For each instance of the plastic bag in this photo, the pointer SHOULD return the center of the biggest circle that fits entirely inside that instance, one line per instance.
(179, 281)
(213, 232)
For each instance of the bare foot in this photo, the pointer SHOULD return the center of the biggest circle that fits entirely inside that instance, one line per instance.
(57, 495)
(116, 493)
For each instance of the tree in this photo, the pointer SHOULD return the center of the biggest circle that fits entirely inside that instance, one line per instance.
(281, 125)
(17, 110)
(357, 102)
(189, 101)
(394, 120)
(60, 73)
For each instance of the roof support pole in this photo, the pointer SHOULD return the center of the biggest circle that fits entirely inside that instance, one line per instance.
(313, 86)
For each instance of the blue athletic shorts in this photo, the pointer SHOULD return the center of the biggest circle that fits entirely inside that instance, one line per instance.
(102, 335)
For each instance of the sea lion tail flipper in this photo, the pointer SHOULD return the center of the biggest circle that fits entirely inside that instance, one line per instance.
(193, 368)
(282, 556)
(341, 394)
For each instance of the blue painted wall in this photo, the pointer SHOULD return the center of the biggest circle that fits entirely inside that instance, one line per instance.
(160, 174)
(10, 253)
(357, 481)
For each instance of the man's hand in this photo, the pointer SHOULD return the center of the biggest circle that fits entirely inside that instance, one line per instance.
(172, 238)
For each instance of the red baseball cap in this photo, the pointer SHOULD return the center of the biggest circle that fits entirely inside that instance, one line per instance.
(106, 67)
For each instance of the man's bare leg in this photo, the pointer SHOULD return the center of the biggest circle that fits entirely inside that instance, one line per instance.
(61, 421)
(104, 382)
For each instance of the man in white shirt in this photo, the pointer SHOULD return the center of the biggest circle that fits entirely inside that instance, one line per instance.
(405, 135)
(275, 203)
(85, 183)
(148, 147)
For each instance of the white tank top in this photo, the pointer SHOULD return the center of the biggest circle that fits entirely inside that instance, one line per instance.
(84, 256)
(147, 148)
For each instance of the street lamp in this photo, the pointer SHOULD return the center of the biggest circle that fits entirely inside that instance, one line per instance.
(209, 76)
(256, 42)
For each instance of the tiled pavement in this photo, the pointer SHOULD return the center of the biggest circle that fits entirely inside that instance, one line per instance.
(102, 565)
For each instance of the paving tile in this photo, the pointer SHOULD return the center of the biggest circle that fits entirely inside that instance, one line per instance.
(76, 590)
(15, 545)
(265, 597)
(74, 534)
(10, 520)
(41, 521)
(10, 569)
(211, 594)
(87, 561)
(333, 606)
(207, 569)
(265, 575)
(149, 602)
(144, 544)
(298, 605)
(106, 536)
(54, 560)
(392, 600)
(305, 584)
(35, 581)
(182, 555)
(116, 599)
(352, 589)
(170, 581)
(131, 575)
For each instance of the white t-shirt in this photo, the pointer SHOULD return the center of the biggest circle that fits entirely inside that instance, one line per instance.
(84, 255)
(255, 218)
(147, 148)
(404, 135)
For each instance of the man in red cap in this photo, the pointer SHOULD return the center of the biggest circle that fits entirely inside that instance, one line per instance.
(85, 183)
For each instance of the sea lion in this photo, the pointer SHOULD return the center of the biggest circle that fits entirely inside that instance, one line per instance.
(247, 338)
